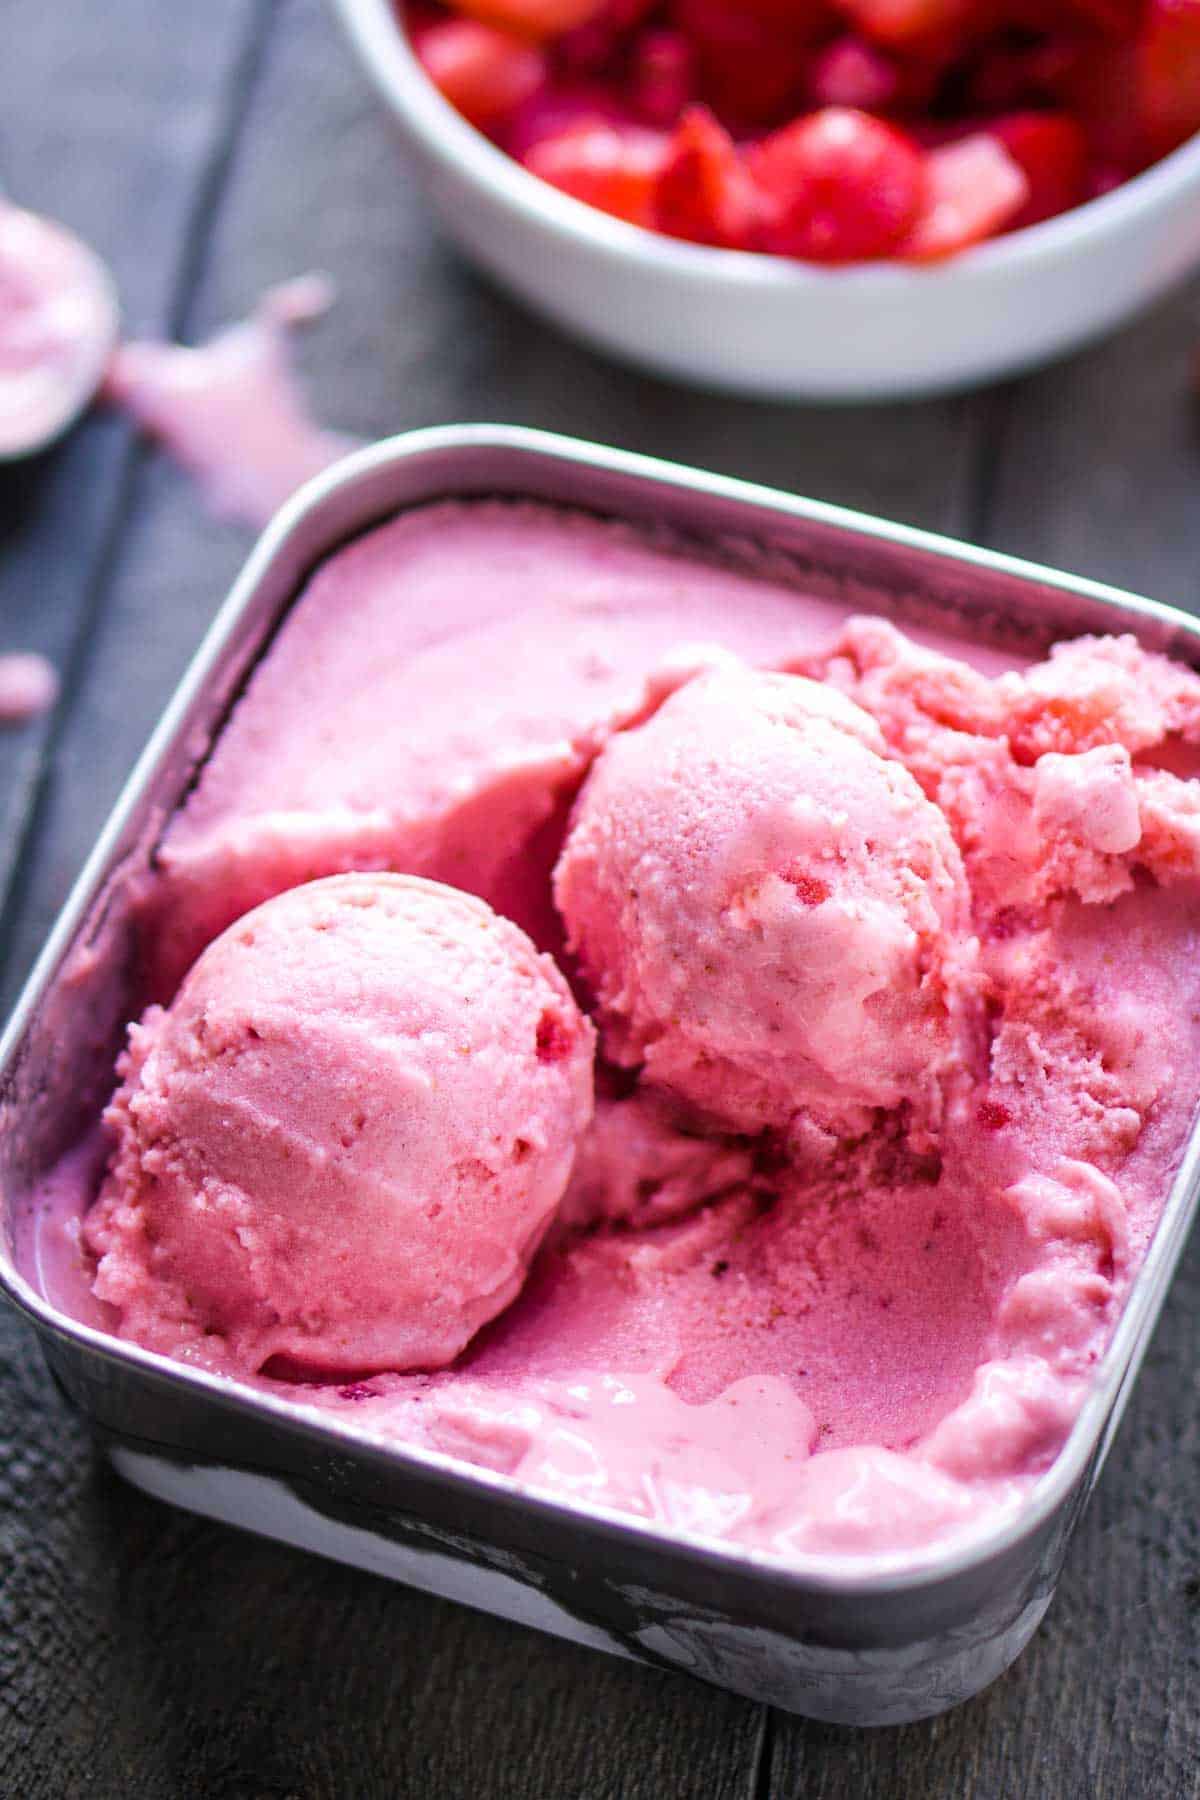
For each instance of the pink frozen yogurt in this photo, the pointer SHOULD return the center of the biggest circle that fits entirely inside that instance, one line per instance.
(28, 686)
(773, 918)
(580, 630)
(893, 942)
(340, 1146)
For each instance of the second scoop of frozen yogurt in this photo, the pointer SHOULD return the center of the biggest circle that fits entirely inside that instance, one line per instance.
(772, 916)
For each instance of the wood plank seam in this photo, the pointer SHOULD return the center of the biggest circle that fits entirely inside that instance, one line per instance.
(26, 807)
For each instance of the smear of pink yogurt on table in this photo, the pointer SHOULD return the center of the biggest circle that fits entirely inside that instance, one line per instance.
(28, 686)
(230, 410)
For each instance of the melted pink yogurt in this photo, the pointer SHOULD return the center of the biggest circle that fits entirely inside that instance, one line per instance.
(28, 686)
(231, 411)
(57, 324)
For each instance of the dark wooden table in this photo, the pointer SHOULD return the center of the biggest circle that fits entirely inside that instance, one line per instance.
(207, 148)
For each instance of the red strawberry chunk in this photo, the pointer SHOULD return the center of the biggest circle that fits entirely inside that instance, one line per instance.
(627, 15)
(1099, 92)
(839, 186)
(1168, 74)
(851, 72)
(751, 71)
(611, 167)
(555, 110)
(705, 192)
(1012, 78)
(483, 72)
(592, 50)
(1117, 17)
(599, 43)
(1052, 152)
(530, 18)
(554, 1037)
(906, 21)
(1101, 179)
(975, 188)
(663, 76)
(910, 128)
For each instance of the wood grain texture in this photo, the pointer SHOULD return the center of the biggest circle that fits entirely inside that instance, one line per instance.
(146, 1654)
(118, 131)
(1097, 462)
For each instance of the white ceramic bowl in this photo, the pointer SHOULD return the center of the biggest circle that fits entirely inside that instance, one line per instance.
(763, 325)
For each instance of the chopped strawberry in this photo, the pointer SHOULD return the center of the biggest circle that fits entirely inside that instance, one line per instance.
(530, 18)
(662, 76)
(1013, 111)
(1099, 92)
(902, 22)
(810, 890)
(839, 186)
(935, 134)
(705, 192)
(807, 19)
(598, 44)
(485, 73)
(851, 72)
(1101, 179)
(1051, 150)
(628, 15)
(616, 169)
(554, 1037)
(594, 50)
(1011, 78)
(1117, 17)
(975, 189)
(555, 110)
(1168, 74)
(751, 71)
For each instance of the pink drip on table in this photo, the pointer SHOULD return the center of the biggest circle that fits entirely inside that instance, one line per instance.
(28, 686)
(230, 411)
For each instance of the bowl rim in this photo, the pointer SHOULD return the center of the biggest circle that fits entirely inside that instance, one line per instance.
(375, 29)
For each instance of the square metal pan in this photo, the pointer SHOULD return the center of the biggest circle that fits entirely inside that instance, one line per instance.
(820, 1637)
